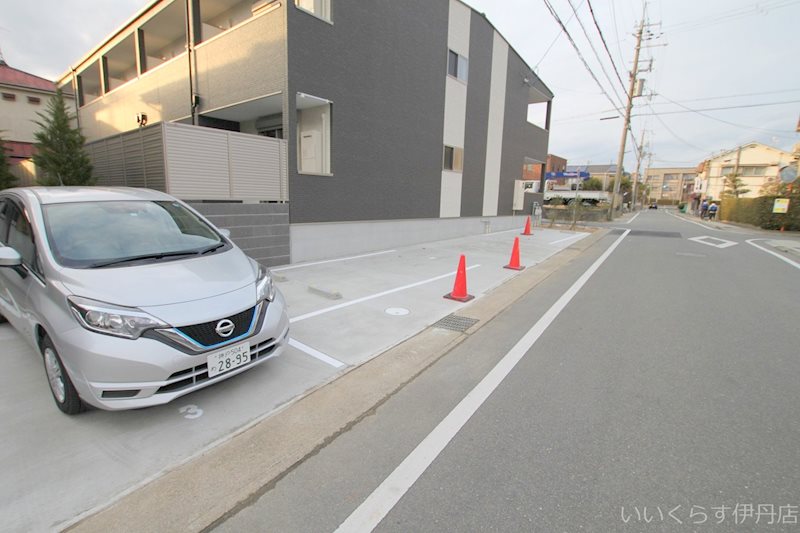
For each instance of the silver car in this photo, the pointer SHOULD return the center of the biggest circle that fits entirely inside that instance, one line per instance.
(132, 297)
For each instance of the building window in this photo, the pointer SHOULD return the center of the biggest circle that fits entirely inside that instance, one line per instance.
(89, 84)
(320, 8)
(726, 171)
(35, 100)
(9, 97)
(313, 134)
(752, 171)
(453, 159)
(457, 66)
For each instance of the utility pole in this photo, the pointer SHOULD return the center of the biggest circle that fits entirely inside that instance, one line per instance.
(639, 157)
(626, 126)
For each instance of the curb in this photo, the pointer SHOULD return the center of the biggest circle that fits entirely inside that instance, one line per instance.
(206, 490)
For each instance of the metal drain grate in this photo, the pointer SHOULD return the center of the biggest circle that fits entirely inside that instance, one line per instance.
(456, 323)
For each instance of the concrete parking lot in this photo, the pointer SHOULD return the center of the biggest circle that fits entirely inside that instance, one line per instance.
(343, 312)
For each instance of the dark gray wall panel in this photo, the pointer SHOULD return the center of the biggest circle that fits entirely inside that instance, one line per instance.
(383, 64)
(478, 89)
(520, 138)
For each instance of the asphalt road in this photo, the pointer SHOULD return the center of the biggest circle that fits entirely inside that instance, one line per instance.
(649, 385)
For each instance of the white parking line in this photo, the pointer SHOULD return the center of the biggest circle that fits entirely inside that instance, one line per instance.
(779, 256)
(372, 297)
(281, 269)
(316, 353)
(581, 235)
(378, 504)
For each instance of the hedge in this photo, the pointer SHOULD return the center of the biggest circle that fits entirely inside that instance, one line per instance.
(758, 211)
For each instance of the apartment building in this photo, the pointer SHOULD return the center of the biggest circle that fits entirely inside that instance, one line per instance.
(342, 111)
(22, 97)
(756, 164)
(672, 184)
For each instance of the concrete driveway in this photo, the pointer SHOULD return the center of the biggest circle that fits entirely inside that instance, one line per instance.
(343, 312)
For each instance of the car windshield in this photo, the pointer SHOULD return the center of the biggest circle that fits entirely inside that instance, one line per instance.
(100, 234)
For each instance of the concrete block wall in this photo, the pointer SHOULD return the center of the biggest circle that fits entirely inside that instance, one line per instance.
(260, 230)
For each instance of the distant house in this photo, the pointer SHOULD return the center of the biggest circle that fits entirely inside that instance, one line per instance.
(554, 163)
(674, 184)
(22, 95)
(414, 112)
(604, 173)
(756, 164)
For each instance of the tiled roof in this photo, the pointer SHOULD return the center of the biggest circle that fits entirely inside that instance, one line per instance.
(12, 76)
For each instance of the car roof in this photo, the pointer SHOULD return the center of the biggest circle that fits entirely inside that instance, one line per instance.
(60, 195)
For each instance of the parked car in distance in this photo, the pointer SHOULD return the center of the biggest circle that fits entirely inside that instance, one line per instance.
(132, 297)
(653, 206)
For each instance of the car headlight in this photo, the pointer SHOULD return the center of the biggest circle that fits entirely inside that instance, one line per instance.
(127, 322)
(265, 289)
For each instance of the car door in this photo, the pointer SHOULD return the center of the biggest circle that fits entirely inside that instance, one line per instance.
(17, 232)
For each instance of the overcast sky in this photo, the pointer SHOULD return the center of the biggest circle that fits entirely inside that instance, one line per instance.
(707, 54)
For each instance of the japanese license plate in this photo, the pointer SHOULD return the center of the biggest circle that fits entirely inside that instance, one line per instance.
(228, 359)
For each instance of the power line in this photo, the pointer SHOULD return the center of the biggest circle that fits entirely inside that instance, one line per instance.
(555, 39)
(577, 51)
(596, 55)
(725, 97)
(713, 19)
(687, 143)
(605, 45)
(688, 110)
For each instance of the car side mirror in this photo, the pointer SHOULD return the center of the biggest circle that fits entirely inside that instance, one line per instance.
(9, 257)
(225, 233)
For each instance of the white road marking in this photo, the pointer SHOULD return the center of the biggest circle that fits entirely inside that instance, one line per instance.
(581, 235)
(634, 218)
(779, 256)
(372, 297)
(325, 358)
(691, 221)
(378, 504)
(281, 269)
(705, 239)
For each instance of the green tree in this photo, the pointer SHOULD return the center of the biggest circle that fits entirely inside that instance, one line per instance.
(734, 186)
(7, 179)
(59, 147)
(592, 184)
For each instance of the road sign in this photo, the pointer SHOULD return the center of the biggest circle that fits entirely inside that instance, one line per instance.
(781, 205)
(553, 175)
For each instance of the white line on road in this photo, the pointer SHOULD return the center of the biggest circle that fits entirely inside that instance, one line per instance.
(634, 218)
(281, 269)
(372, 296)
(316, 353)
(779, 256)
(691, 221)
(378, 504)
(581, 235)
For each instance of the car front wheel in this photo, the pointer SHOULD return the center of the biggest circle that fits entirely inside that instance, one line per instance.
(64, 392)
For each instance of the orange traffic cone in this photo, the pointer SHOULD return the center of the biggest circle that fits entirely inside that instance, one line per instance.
(527, 227)
(460, 287)
(514, 263)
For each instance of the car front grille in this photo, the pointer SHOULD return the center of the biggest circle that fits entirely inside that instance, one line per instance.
(190, 376)
(206, 335)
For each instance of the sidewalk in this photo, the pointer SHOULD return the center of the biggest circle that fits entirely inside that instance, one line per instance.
(352, 311)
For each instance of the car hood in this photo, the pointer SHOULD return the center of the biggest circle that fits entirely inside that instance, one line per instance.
(163, 283)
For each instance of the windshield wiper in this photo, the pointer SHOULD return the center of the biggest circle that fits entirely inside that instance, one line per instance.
(211, 248)
(142, 258)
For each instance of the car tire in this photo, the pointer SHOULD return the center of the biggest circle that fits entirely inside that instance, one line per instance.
(64, 393)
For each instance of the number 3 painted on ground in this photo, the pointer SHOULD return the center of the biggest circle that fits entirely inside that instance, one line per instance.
(191, 411)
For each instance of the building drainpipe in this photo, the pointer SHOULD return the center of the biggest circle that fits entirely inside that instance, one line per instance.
(76, 98)
(190, 37)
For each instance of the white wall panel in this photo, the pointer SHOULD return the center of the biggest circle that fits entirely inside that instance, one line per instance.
(197, 162)
(450, 203)
(458, 28)
(494, 141)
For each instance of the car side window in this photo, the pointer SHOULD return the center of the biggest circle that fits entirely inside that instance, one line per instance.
(4, 220)
(20, 237)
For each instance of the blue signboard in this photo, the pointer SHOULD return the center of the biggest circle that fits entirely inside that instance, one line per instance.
(554, 175)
